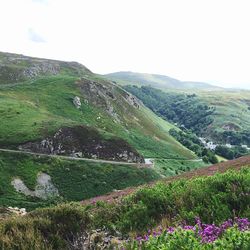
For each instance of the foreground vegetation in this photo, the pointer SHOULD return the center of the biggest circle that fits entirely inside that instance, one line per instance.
(213, 199)
(231, 234)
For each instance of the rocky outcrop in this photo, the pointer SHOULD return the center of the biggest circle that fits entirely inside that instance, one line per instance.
(43, 190)
(132, 100)
(83, 141)
(17, 211)
(15, 68)
(231, 127)
(77, 102)
(6, 212)
(99, 95)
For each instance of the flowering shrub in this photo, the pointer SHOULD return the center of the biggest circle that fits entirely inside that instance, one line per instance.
(228, 235)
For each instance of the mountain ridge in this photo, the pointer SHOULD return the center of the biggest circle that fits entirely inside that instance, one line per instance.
(157, 81)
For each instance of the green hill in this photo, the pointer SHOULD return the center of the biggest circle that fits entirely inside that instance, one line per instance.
(232, 107)
(39, 114)
(156, 81)
(219, 116)
(37, 104)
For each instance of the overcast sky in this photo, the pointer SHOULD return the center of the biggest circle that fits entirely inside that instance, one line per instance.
(199, 40)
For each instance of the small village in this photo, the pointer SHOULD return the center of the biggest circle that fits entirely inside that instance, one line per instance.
(212, 146)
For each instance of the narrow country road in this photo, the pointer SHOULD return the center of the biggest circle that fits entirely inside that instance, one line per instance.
(69, 157)
(90, 160)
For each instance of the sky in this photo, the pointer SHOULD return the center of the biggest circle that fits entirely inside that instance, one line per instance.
(193, 40)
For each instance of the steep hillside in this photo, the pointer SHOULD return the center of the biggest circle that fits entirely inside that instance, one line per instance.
(54, 96)
(156, 81)
(62, 180)
(232, 107)
(231, 120)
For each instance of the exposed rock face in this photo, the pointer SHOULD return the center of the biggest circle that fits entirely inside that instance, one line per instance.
(231, 127)
(99, 95)
(17, 211)
(132, 100)
(83, 141)
(44, 188)
(77, 102)
(6, 212)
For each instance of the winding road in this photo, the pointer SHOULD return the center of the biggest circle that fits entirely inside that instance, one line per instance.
(89, 160)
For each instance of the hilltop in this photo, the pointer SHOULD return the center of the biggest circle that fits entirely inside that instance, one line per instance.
(156, 81)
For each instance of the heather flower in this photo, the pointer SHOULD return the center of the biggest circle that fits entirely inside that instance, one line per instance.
(139, 238)
(207, 232)
(243, 224)
(189, 228)
(170, 229)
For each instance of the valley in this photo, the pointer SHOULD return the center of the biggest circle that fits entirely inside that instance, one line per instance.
(223, 125)
(89, 161)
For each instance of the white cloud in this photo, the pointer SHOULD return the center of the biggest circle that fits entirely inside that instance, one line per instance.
(197, 40)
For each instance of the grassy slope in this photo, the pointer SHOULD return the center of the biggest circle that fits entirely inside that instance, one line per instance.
(33, 109)
(75, 180)
(155, 80)
(222, 167)
(231, 107)
(169, 167)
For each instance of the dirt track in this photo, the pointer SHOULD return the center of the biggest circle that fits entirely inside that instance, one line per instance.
(206, 171)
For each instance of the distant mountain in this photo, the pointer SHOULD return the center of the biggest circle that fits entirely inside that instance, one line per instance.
(157, 81)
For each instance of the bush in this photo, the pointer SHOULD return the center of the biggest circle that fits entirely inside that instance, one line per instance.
(213, 199)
